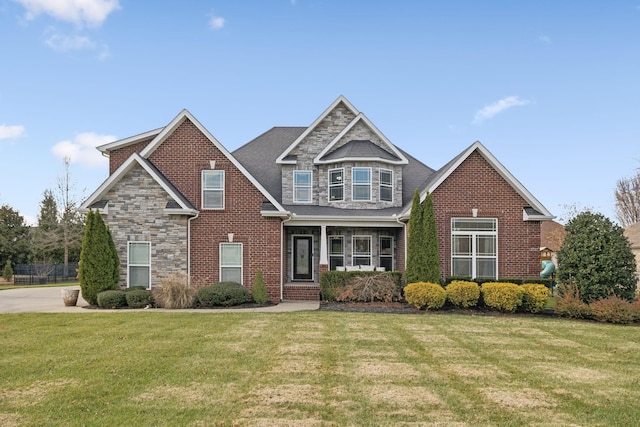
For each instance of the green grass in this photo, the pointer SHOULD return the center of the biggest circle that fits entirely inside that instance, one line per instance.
(315, 368)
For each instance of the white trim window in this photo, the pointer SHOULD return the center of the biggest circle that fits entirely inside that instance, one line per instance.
(231, 262)
(361, 184)
(361, 250)
(212, 189)
(336, 252)
(336, 185)
(386, 185)
(474, 247)
(385, 249)
(139, 264)
(302, 186)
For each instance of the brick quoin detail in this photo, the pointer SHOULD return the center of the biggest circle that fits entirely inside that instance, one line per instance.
(475, 184)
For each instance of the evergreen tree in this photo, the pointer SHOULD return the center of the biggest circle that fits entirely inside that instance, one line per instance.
(596, 257)
(99, 263)
(432, 256)
(416, 270)
(15, 238)
(7, 272)
(46, 240)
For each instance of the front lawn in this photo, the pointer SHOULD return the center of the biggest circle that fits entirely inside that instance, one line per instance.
(315, 368)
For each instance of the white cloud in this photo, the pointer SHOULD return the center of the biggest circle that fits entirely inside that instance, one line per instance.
(80, 12)
(64, 43)
(488, 111)
(216, 22)
(9, 132)
(83, 149)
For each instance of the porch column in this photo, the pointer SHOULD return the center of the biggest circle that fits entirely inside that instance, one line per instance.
(324, 258)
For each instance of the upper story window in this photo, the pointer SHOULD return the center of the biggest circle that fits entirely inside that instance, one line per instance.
(302, 188)
(361, 184)
(336, 185)
(213, 189)
(386, 185)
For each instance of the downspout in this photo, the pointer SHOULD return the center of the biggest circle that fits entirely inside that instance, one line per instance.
(282, 245)
(404, 232)
(189, 247)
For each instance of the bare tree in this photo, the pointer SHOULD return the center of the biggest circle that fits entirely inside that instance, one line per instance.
(627, 196)
(71, 221)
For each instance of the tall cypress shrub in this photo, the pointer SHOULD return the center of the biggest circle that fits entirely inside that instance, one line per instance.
(98, 269)
(432, 255)
(416, 254)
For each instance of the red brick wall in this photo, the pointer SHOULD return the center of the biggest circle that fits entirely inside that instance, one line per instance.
(119, 156)
(475, 184)
(181, 158)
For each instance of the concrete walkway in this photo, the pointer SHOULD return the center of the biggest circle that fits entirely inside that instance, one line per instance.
(49, 300)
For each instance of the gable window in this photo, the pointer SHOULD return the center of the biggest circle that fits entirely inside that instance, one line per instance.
(361, 184)
(474, 247)
(336, 252)
(336, 185)
(231, 262)
(139, 264)
(361, 250)
(302, 186)
(386, 185)
(213, 189)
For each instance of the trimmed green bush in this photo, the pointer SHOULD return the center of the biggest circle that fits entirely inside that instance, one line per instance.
(135, 288)
(138, 298)
(112, 299)
(331, 282)
(535, 297)
(425, 295)
(505, 297)
(225, 294)
(259, 289)
(463, 293)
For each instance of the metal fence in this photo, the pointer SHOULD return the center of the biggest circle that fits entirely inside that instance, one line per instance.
(39, 274)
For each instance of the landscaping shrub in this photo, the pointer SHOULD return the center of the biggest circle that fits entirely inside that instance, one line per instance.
(224, 294)
(259, 289)
(369, 288)
(174, 292)
(135, 288)
(112, 299)
(138, 298)
(425, 295)
(539, 281)
(535, 297)
(7, 272)
(450, 279)
(506, 297)
(463, 293)
(332, 281)
(614, 309)
(570, 304)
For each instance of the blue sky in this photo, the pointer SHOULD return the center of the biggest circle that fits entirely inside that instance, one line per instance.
(551, 88)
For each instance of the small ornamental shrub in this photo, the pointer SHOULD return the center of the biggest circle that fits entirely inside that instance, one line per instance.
(450, 279)
(425, 295)
(331, 282)
(570, 304)
(535, 297)
(505, 297)
(225, 294)
(112, 299)
(174, 292)
(139, 298)
(259, 289)
(463, 293)
(614, 309)
(7, 272)
(369, 288)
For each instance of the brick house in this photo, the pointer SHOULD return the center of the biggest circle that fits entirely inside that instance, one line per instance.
(296, 201)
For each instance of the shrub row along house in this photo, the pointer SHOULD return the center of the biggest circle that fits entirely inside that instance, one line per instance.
(296, 201)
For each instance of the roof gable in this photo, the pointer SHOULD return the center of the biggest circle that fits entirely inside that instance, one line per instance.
(396, 158)
(181, 204)
(121, 143)
(285, 157)
(537, 211)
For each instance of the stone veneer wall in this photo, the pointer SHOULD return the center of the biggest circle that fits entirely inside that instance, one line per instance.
(136, 213)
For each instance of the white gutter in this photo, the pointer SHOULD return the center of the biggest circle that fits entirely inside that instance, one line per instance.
(404, 232)
(282, 244)
(189, 247)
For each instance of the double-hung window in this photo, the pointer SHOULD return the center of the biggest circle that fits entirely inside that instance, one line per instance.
(361, 247)
(336, 185)
(386, 185)
(474, 247)
(361, 184)
(213, 189)
(336, 252)
(231, 262)
(139, 264)
(302, 186)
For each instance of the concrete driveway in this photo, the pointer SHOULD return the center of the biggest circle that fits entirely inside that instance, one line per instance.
(49, 300)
